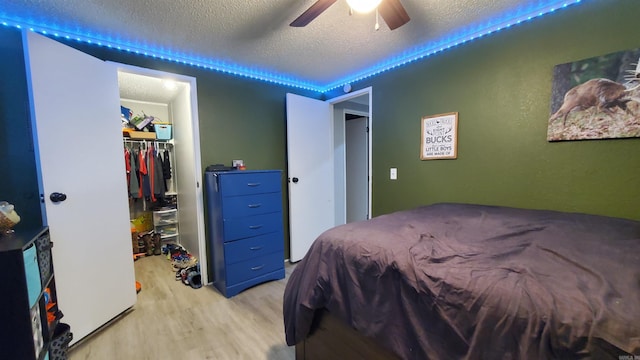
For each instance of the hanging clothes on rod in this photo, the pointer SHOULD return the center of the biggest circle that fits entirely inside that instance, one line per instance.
(155, 175)
(144, 191)
(131, 170)
(146, 174)
(166, 167)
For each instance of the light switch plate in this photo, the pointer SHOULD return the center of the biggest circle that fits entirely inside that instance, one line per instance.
(393, 173)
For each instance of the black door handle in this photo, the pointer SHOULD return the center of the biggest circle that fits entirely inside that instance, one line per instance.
(57, 197)
(295, 180)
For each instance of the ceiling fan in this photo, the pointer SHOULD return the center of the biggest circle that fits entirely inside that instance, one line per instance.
(392, 12)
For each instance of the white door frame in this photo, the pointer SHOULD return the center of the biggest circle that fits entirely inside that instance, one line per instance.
(201, 251)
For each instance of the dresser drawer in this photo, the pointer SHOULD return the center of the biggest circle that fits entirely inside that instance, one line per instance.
(238, 228)
(252, 268)
(247, 205)
(245, 183)
(249, 248)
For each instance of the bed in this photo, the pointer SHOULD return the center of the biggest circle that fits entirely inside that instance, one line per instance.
(462, 281)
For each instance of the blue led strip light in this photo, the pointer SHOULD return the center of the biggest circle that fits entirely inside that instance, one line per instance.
(162, 54)
(466, 35)
(508, 20)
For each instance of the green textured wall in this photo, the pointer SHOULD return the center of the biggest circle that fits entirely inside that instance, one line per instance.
(18, 176)
(501, 87)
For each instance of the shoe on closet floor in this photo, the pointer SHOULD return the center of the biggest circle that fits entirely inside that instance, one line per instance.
(157, 243)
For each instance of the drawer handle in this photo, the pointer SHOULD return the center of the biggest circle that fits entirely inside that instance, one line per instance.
(256, 268)
(253, 206)
(253, 227)
(253, 184)
(254, 248)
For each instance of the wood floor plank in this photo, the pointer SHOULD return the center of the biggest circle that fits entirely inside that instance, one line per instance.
(173, 321)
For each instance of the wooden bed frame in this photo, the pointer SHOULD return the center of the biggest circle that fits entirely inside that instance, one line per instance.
(331, 338)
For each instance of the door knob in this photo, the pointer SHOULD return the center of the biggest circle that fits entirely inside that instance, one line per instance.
(57, 197)
(295, 180)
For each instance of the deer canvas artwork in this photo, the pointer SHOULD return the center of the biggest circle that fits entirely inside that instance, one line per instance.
(596, 98)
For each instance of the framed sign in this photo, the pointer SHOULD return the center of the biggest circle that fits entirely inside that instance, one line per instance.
(439, 137)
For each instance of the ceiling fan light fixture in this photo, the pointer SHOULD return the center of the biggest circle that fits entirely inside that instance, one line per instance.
(363, 6)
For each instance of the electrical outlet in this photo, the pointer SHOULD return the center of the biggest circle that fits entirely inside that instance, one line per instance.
(393, 173)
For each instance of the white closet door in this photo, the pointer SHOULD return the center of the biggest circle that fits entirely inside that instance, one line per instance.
(75, 108)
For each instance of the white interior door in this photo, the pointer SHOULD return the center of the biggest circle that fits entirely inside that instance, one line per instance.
(310, 167)
(357, 172)
(75, 110)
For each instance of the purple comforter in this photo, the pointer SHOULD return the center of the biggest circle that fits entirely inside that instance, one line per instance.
(479, 282)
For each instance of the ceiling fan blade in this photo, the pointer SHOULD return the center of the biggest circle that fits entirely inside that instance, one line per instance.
(393, 13)
(312, 12)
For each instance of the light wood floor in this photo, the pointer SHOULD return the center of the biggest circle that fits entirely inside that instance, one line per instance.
(173, 321)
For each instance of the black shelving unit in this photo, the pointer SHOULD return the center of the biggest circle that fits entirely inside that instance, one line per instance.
(28, 300)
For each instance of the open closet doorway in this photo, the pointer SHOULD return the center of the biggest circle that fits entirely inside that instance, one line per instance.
(357, 166)
(171, 100)
(352, 159)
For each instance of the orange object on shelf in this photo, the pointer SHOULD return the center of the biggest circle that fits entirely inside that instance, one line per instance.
(138, 287)
(142, 135)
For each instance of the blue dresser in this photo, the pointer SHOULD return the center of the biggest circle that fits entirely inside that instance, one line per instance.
(246, 236)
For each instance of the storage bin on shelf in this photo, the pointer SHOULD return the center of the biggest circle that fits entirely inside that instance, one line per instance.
(165, 217)
(165, 223)
(168, 231)
(163, 131)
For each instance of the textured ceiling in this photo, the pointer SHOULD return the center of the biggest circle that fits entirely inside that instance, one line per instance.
(254, 37)
(148, 88)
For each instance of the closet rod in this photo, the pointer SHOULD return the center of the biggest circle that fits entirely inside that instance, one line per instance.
(146, 141)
